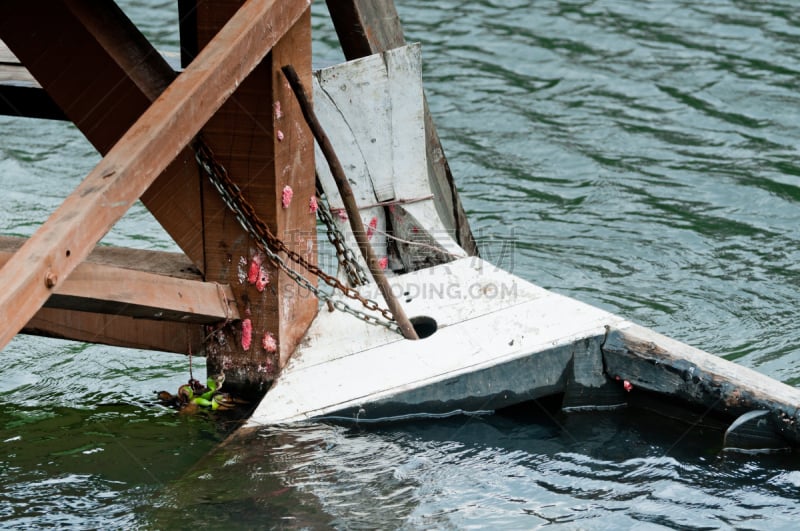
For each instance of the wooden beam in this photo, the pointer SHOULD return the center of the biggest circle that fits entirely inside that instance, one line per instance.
(130, 167)
(137, 283)
(20, 94)
(657, 363)
(294, 165)
(125, 45)
(365, 27)
(118, 330)
(103, 74)
(260, 137)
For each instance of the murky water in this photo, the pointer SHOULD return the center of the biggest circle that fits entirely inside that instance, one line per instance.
(641, 156)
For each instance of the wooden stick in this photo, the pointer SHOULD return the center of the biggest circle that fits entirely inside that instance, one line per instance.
(349, 204)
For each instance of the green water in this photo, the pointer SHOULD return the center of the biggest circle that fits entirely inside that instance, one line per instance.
(640, 156)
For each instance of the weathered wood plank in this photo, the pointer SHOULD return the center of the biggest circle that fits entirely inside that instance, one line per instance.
(657, 363)
(365, 27)
(350, 369)
(294, 165)
(118, 330)
(372, 110)
(73, 230)
(357, 225)
(136, 283)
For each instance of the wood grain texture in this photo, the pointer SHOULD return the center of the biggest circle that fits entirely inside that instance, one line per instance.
(131, 166)
(101, 73)
(657, 363)
(263, 151)
(143, 284)
(118, 330)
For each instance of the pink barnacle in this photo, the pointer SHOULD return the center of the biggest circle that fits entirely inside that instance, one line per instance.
(276, 107)
(262, 280)
(269, 343)
(252, 271)
(383, 262)
(342, 214)
(247, 334)
(312, 204)
(254, 268)
(627, 385)
(286, 196)
(279, 134)
(373, 224)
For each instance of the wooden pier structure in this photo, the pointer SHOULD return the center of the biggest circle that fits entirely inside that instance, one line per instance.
(86, 62)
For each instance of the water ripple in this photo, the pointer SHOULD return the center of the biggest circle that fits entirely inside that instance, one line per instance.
(640, 159)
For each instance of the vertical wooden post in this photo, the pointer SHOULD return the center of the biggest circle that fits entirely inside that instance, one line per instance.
(260, 137)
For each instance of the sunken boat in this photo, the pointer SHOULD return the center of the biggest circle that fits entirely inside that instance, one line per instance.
(237, 166)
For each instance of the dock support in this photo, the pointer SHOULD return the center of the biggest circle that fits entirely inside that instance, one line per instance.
(260, 137)
(656, 363)
(104, 75)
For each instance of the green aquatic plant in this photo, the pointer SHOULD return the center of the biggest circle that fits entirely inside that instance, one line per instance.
(194, 395)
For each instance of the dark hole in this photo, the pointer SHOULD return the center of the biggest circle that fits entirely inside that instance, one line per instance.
(68, 253)
(423, 325)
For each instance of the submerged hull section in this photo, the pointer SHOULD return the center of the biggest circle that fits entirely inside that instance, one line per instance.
(489, 339)
(501, 341)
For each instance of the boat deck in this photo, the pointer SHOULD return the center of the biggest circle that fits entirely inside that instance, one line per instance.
(499, 341)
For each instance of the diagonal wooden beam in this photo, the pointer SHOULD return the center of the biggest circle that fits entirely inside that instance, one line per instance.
(100, 72)
(71, 232)
(136, 283)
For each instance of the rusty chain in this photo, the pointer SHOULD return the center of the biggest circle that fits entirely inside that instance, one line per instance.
(271, 245)
(344, 254)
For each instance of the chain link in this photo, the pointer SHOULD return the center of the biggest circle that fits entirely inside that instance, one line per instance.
(271, 245)
(345, 255)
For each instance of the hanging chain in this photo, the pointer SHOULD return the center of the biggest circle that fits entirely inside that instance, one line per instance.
(271, 245)
(345, 255)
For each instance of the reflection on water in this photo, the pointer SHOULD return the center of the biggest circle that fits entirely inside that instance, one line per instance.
(590, 471)
(641, 156)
